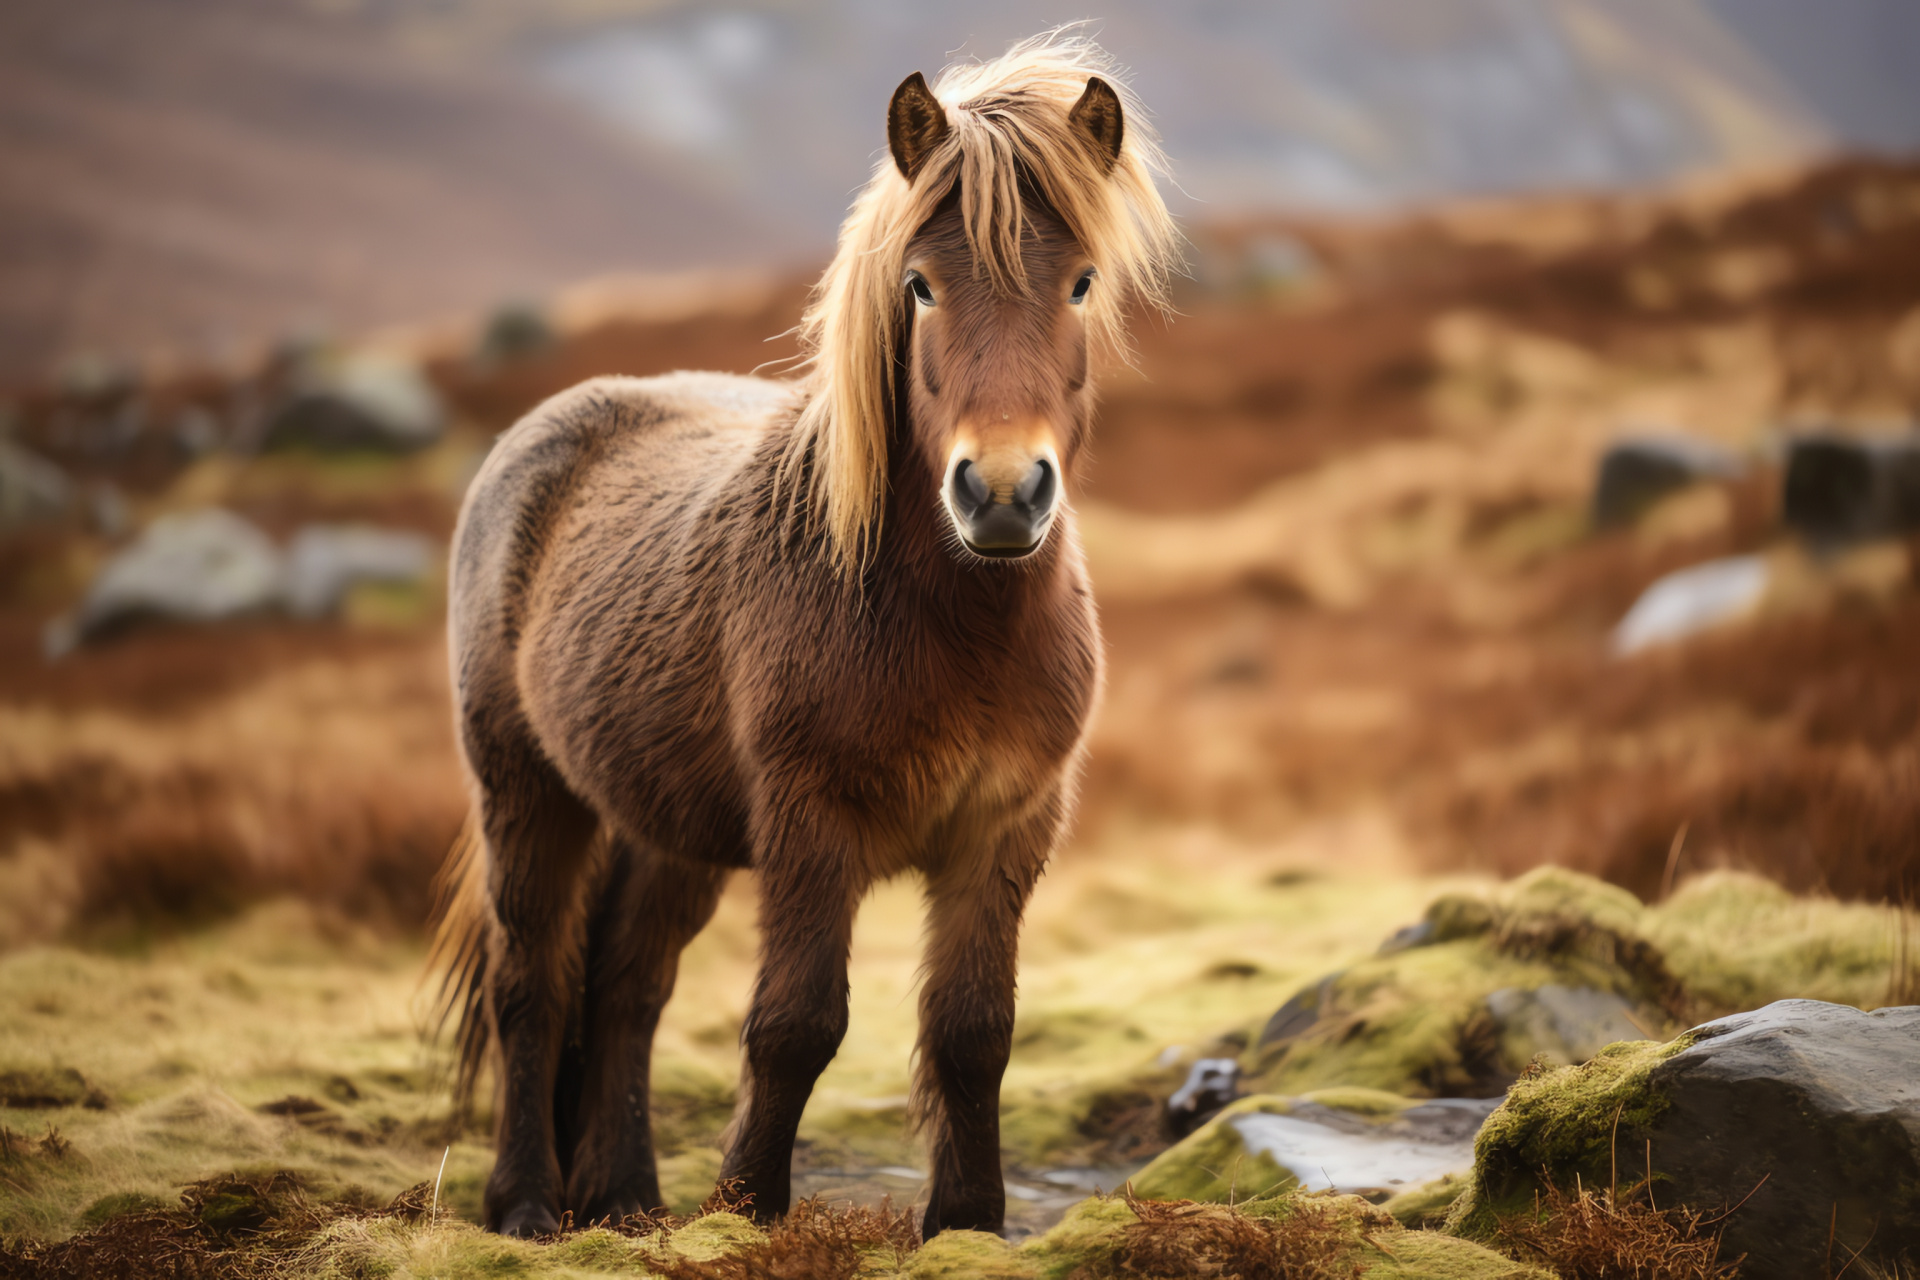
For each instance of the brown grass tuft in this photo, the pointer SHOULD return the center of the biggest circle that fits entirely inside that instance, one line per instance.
(1595, 1236)
(813, 1242)
(1178, 1238)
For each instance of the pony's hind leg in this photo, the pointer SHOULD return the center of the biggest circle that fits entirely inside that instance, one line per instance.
(651, 906)
(966, 1021)
(537, 835)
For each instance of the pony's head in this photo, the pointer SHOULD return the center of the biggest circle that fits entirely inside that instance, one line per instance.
(984, 268)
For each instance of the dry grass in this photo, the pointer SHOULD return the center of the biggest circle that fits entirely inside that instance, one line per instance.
(1589, 1235)
(333, 780)
(1177, 1239)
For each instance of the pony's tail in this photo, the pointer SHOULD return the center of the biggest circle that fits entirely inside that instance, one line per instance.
(459, 954)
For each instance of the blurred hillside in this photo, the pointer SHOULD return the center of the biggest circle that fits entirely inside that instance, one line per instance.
(1340, 522)
(202, 175)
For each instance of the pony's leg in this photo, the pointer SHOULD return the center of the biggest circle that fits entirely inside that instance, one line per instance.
(966, 1020)
(652, 906)
(537, 835)
(799, 1011)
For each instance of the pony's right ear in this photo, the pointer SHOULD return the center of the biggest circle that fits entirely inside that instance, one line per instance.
(916, 122)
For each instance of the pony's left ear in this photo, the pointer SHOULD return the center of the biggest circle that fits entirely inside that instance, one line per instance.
(916, 122)
(1098, 118)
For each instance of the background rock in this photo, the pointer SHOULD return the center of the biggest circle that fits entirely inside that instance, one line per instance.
(1635, 473)
(1839, 489)
(195, 566)
(325, 561)
(357, 402)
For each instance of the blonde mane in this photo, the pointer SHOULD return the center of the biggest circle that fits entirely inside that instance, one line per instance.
(1006, 118)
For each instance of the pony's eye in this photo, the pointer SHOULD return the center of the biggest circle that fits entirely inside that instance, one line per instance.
(1080, 288)
(921, 289)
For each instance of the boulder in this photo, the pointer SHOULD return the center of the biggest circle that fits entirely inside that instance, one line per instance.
(31, 488)
(1804, 1115)
(1840, 489)
(1691, 600)
(325, 561)
(194, 566)
(1211, 1084)
(356, 402)
(1638, 471)
(1357, 1141)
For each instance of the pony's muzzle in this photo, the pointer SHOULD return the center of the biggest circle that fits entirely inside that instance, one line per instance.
(1005, 520)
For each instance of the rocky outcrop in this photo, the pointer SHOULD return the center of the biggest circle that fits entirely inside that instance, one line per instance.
(1799, 1121)
(1457, 1005)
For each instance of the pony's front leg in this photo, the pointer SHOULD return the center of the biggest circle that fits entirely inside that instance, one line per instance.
(966, 1019)
(808, 894)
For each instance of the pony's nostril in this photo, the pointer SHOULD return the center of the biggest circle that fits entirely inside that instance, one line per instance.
(1035, 491)
(968, 487)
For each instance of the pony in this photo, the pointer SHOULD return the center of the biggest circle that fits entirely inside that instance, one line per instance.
(833, 628)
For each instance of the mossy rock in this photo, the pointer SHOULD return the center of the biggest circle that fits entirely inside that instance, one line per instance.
(1804, 1114)
(1566, 1121)
(969, 1255)
(1428, 1204)
(1213, 1163)
(713, 1236)
(1358, 1139)
(1554, 965)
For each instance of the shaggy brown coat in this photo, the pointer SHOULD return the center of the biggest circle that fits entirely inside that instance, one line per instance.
(669, 665)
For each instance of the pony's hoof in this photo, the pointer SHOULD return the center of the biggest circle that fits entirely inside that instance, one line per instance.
(527, 1219)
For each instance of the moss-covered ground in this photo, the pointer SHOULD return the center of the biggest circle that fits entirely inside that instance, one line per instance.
(288, 1039)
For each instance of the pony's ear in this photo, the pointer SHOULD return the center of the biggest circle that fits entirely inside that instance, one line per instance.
(916, 122)
(1098, 118)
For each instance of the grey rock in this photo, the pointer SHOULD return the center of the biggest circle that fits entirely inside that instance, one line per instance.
(31, 488)
(1810, 1114)
(1568, 1024)
(1300, 1012)
(516, 330)
(357, 402)
(1841, 490)
(324, 561)
(1211, 1084)
(196, 566)
(1639, 471)
(1691, 600)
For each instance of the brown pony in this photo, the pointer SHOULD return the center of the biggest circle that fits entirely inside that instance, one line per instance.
(831, 630)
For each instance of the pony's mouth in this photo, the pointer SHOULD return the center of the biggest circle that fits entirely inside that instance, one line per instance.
(1009, 525)
(1004, 553)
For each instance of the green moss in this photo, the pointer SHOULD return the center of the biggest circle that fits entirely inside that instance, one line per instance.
(1427, 1204)
(1739, 942)
(1375, 1104)
(969, 1255)
(1555, 893)
(1213, 1164)
(1429, 1255)
(1085, 1238)
(687, 1179)
(117, 1203)
(1562, 1122)
(713, 1236)
(598, 1250)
